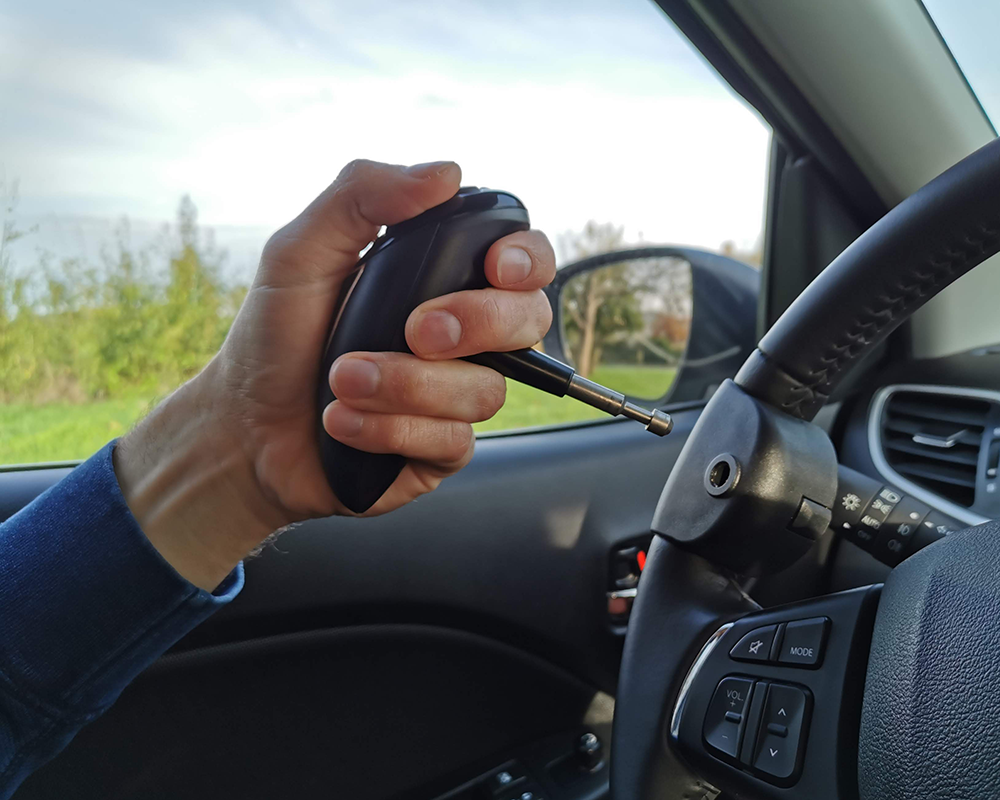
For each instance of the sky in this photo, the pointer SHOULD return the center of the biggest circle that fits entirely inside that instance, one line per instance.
(969, 27)
(584, 109)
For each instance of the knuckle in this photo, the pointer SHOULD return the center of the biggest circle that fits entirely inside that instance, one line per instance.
(290, 251)
(398, 434)
(393, 384)
(275, 245)
(427, 479)
(470, 450)
(423, 384)
(545, 246)
(410, 385)
(547, 259)
(492, 316)
(459, 439)
(491, 397)
(352, 170)
(346, 190)
(543, 312)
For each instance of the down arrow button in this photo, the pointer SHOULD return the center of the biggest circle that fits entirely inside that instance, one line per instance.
(785, 719)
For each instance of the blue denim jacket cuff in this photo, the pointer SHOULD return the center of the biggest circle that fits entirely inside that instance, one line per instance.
(88, 601)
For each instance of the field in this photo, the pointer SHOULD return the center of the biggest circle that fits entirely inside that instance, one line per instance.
(68, 431)
(527, 407)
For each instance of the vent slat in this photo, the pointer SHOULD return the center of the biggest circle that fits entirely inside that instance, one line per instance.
(942, 413)
(958, 455)
(971, 438)
(937, 473)
(949, 472)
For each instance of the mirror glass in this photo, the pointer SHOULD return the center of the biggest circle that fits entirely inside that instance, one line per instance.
(626, 324)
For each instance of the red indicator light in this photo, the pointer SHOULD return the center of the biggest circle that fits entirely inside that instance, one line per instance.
(640, 559)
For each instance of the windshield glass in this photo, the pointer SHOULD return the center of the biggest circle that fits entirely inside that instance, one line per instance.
(148, 150)
(969, 28)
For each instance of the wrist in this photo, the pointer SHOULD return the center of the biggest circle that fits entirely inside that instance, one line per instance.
(191, 485)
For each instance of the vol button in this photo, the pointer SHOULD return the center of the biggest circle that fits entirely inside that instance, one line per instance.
(726, 716)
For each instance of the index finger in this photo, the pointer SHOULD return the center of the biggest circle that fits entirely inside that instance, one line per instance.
(522, 261)
(322, 243)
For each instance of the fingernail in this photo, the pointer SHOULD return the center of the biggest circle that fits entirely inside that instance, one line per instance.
(431, 168)
(344, 422)
(513, 265)
(355, 377)
(438, 331)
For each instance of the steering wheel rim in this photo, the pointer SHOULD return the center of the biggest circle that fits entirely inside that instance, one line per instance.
(688, 589)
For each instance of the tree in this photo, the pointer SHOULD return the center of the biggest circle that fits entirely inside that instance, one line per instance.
(599, 303)
(17, 364)
(753, 257)
(142, 322)
(196, 322)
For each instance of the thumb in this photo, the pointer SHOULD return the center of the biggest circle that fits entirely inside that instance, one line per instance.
(323, 242)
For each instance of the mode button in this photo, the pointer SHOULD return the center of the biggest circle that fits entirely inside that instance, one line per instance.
(802, 644)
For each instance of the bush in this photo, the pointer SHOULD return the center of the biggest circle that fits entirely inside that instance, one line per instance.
(141, 322)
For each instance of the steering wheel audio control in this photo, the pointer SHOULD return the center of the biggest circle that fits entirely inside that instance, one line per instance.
(726, 717)
(798, 643)
(760, 723)
(756, 645)
(762, 706)
(780, 736)
(802, 642)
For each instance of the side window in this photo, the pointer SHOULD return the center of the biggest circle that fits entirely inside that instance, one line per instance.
(138, 188)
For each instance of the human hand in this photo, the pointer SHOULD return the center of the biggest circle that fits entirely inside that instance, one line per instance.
(232, 456)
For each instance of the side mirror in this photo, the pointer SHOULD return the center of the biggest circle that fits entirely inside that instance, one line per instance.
(655, 323)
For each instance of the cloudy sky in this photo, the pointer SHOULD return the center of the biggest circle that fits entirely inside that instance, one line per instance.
(586, 109)
(970, 28)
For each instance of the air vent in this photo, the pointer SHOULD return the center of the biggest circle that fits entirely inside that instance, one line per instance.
(934, 439)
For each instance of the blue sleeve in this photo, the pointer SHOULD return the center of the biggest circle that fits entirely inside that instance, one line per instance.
(86, 603)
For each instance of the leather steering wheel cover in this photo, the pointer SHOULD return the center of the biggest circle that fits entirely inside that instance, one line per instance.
(681, 602)
(925, 243)
(929, 721)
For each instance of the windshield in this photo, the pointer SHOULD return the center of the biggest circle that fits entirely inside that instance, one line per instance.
(148, 150)
(122, 109)
(969, 28)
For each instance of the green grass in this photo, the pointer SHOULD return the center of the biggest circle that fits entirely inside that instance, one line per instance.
(527, 407)
(64, 431)
(67, 431)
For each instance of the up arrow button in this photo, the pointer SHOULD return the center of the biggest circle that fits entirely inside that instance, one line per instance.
(784, 720)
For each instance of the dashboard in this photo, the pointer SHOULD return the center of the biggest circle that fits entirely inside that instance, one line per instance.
(929, 430)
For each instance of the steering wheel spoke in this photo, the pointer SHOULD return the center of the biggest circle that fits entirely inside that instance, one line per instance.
(773, 700)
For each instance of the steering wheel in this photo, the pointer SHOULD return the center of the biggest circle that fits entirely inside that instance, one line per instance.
(879, 693)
